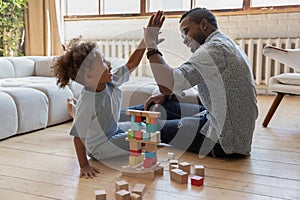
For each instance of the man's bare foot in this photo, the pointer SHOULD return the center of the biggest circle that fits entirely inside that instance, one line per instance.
(71, 104)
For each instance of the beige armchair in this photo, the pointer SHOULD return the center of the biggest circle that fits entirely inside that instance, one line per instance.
(282, 84)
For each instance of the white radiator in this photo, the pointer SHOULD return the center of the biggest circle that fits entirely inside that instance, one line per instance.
(264, 67)
(121, 49)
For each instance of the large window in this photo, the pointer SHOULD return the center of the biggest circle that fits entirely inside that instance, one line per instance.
(219, 5)
(103, 8)
(267, 3)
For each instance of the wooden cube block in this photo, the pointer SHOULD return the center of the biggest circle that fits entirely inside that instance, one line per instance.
(171, 156)
(197, 180)
(185, 166)
(151, 128)
(179, 176)
(130, 134)
(134, 196)
(199, 170)
(121, 185)
(122, 195)
(173, 162)
(100, 195)
(173, 167)
(150, 147)
(133, 145)
(155, 137)
(139, 189)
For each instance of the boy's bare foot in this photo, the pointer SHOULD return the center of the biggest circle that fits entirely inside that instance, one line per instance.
(71, 104)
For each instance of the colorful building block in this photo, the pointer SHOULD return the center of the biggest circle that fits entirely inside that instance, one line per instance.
(151, 128)
(197, 180)
(130, 134)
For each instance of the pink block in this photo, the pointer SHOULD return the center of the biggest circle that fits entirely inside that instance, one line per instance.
(153, 121)
(148, 162)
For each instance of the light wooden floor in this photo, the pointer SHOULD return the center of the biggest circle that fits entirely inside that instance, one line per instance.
(42, 165)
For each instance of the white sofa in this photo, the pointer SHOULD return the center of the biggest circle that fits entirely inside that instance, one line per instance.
(31, 100)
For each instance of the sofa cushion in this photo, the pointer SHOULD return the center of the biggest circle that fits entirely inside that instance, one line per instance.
(32, 107)
(22, 66)
(44, 67)
(8, 116)
(289, 78)
(6, 69)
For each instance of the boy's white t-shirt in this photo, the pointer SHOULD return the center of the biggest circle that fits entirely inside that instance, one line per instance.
(97, 113)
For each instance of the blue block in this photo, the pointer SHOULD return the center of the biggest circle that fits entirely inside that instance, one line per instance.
(132, 118)
(136, 126)
(149, 154)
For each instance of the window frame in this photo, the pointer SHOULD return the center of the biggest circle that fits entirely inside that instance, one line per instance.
(246, 10)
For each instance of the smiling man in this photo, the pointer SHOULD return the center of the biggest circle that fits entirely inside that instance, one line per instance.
(222, 74)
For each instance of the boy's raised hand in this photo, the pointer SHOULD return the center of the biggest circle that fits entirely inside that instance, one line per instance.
(88, 172)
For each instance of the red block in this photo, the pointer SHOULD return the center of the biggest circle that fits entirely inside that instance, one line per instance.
(138, 135)
(138, 118)
(135, 152)
(197, 180)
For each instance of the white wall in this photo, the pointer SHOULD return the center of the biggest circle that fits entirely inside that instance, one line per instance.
(240, 26)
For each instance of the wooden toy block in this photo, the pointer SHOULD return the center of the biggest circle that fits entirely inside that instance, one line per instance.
(179, 176)
(151, 114)
(122, 195)
(148, 120)
(143, 175)
(171, 156)
(159, 170)
(148, 163)
(153, 121)
(136, 126)
(173, 167)
(151, 128)
(197, 180)
(135, 152)
(134, 196)
(139, 189)
(138, 118)
(185, 166)
(154, 114)
(173, 162)
(155, 137)
(199, 170)
(133, 145)
(134, 160)
(134, 112)
(138, 135)
(100, 195)
(130, 134)
(150, 147)
(121, 185)
(150, 154)
(132, 118)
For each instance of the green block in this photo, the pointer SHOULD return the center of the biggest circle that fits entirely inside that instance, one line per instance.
(151, 128)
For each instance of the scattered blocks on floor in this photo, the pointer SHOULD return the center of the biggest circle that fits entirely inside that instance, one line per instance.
(179, 176)
(121, 185)
(100, 195)
(134, 196)
(139, 189)
(159, 170)
(122, 195)
(199, 170)
(197, 180)
(185, 166)
(171, 156)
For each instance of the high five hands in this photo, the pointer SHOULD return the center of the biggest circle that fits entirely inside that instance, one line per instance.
(153, 29)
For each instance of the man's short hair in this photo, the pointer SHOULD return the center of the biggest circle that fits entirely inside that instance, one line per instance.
(197, 14)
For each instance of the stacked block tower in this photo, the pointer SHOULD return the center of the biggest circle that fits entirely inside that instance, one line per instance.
(143, 141)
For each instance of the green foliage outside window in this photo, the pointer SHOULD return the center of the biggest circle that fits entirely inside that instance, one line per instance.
(11, 26)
